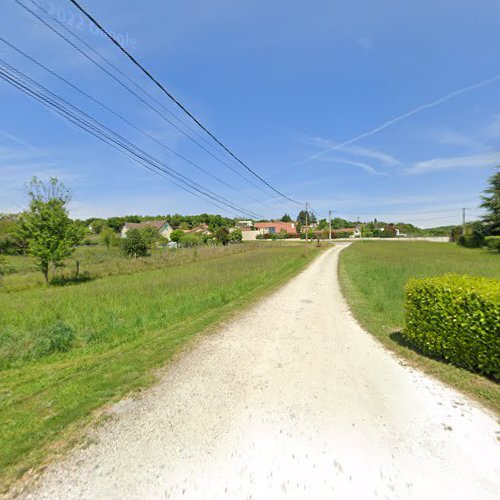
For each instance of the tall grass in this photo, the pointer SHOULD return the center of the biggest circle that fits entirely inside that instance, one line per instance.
(373, 275)
(115, 331)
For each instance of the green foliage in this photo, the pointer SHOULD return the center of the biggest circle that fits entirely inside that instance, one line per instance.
(339, 223)
(236, 236)
(303, 214)
(189, 240)
(135, 244)
(151, 236)
(491, 203)
(126, 327)
(373, 275)
(493, 243)
(58, 337)
(108, 237)
(286, 218)
(222, 235)
(457, 319)
(176, 235)
(473, 237)
(50, 233)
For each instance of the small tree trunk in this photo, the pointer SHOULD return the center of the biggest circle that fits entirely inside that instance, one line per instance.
(77, 269)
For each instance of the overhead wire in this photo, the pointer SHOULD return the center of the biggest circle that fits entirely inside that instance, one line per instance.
(175, 100)
(117, 80)
(93, 126)
(124, 119)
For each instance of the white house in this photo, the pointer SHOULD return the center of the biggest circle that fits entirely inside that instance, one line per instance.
(163, 227)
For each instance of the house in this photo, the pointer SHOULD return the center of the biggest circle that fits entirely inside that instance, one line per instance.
(202, 229)
(354, 232)
(276, 227)
(163, 227)
(242, 224)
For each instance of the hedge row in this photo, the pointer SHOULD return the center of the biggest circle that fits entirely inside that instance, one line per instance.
(456, 318)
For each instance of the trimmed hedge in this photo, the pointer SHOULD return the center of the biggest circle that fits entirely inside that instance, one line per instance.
(493, 243)
(457, 319)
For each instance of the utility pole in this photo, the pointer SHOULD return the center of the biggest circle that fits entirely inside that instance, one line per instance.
(463, 221)
(330, 227)
(307, 230)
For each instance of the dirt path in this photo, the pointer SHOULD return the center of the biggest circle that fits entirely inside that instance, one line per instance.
(292, 400)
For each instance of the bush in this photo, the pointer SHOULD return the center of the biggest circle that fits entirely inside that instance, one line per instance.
(135, 244)
(58, 337)
(457, 319)
(493, 243)
(190, 240)
(470, 241)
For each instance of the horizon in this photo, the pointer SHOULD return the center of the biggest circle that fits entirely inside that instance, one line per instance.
(365, 110)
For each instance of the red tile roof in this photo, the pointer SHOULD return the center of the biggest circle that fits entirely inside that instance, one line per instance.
(289, 227)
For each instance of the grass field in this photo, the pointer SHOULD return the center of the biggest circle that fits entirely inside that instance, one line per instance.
(373, 275)
(122, 328)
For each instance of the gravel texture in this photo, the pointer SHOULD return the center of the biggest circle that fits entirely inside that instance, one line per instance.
(290, 400)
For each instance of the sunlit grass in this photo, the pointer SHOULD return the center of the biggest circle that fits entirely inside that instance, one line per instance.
(373, 275)
(125, 326)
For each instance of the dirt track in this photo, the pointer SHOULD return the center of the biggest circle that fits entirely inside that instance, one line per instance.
(291, 400)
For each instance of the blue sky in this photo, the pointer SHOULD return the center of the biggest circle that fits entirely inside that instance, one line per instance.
(284, 84)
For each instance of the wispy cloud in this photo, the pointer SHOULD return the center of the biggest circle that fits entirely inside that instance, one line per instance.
(374, 154)
(402, 117)
(436, 164)
(451, 138)
(364, 166)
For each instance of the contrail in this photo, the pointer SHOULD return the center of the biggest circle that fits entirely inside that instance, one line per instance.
(403, 117)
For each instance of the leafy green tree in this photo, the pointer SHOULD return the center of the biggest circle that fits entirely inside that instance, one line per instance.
(176, 235)
(222, 235)
(151, 236)
(323, 224)
(286, 218)
(339, 223)
(236, 236)
(491, 203)
(301, 218)
(135, 244)
(46, 226)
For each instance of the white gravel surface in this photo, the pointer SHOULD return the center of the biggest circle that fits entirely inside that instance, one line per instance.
(290, 400)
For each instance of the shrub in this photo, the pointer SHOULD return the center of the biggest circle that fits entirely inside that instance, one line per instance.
(58, 337)
(135, 245)
(190, 240)
(457, 319)
(493, 243)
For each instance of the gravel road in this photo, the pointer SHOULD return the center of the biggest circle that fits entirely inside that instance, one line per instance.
(290, 400)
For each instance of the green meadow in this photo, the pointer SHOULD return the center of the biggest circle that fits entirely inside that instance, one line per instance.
(373, 275)
(67, 351)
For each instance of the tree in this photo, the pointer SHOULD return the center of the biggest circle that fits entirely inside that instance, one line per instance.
(236, 236)
(491, 203)
(222, 235)
(301, 218)
(151, 236)
(286, 218)
(107, 236)
(46, 226)
(135, 244)
(176, 235)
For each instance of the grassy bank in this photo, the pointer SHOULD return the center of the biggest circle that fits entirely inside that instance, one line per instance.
(123, 327)
(373, 275)
(99, 262)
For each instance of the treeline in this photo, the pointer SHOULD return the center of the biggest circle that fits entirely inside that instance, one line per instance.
(177, 221)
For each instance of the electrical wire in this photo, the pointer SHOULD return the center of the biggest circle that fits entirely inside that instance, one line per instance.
(176, 101)
(117, 80)
(125, 120)
(102, 132)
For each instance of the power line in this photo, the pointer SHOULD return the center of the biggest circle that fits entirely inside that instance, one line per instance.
(125, 120)
(177, 102)
(107, 135)
(117, 80)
